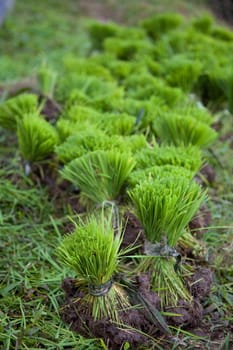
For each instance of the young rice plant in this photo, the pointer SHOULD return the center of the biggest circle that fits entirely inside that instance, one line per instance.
(165, 206)
(93, 252)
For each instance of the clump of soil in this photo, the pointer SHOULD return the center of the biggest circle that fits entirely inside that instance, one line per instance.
(74, 313)
(207, 175)
(189, 314)
(200, 221)
(185, 313)
(200, 283)
(51, 109)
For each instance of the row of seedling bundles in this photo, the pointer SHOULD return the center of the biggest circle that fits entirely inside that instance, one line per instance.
(128, 134)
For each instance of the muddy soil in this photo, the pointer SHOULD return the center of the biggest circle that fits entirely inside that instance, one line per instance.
(189, 315)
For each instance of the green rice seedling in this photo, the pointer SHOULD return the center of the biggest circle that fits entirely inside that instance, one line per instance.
(209, 87)
(144, 111)
(161, 24)
(127, 49)
(82, 142)
(91, 89)
(225, 82)
(222, 33)
(181, 72)
(173, 199)
(93, 139)
(165, 206)
(82, 66)
(79, 113)
(121, 69)
(195, 110)
(107, 100)
(145, 117)
(99, 31)
(112, 123)
(134, 143)
(117, 123)
(100, 175)
(37, 138)
(157, 171)
(15, 108)
(143, 86)
(188, 157)
(133, 106)
(175, 130)
(152, 65)
(93, 252)
(66, 128)
(203, 23)
(46, 78)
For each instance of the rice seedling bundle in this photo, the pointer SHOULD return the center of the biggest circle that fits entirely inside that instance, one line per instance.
(165, 206)
(37, 138)
(15, 108)
(93, 252)
(100, 175)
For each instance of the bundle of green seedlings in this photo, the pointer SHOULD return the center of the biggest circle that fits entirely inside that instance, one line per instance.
(112, 123)
(15, 108)
(100, 175)
(93, 252)
(37, 139)
(197, 56)
(177, 130)
(165, 205)
(93, 139)
(187, 157)
(155, 162)
(88, 90)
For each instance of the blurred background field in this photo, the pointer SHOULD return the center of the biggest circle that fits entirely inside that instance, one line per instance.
(46, 30)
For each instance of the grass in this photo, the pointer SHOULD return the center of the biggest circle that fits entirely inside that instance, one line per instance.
(30, 276)
(30, 293)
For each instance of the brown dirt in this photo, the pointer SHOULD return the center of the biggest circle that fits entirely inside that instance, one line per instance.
(61, 192)
(133, 232)
(200, 283)
(187, 314)
(51, 109)
(228, 137)
(201, 221)
(207, 175)
(85, 325)
(190, 314)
